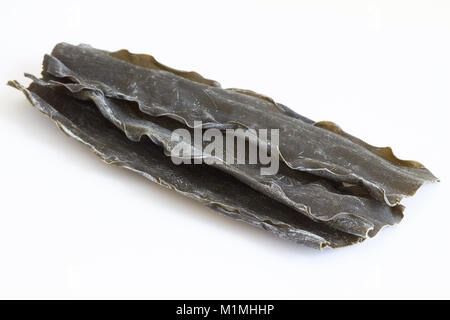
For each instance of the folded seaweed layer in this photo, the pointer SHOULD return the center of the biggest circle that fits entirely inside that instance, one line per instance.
(332, 188)
(321, 149)
(308, 194)
(83, 121)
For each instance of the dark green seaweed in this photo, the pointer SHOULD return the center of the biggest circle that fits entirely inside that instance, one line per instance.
(320, 148)
(82, 120)
(332, 189)
(306, 193)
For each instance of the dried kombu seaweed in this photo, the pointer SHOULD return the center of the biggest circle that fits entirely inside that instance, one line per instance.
(212, 187)
(325, 149)
(308, 194)
(332, 189)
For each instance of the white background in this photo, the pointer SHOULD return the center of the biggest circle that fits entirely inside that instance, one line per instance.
(73, 227)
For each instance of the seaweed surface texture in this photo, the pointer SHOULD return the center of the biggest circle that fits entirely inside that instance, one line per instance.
(330, 188)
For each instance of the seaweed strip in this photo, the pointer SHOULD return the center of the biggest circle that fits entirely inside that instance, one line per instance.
(82, 121)
(308, 194)
(322, 150)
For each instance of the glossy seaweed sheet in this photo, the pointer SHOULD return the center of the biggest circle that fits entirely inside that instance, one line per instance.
(332, 189)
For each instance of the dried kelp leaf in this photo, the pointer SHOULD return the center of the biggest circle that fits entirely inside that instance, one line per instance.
(332, 189)
(149, 62)
(303, 146)
(385, 152)
(308, 194)
(84, 122)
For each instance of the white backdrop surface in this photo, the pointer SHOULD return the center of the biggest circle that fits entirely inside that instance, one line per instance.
(73, 227)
